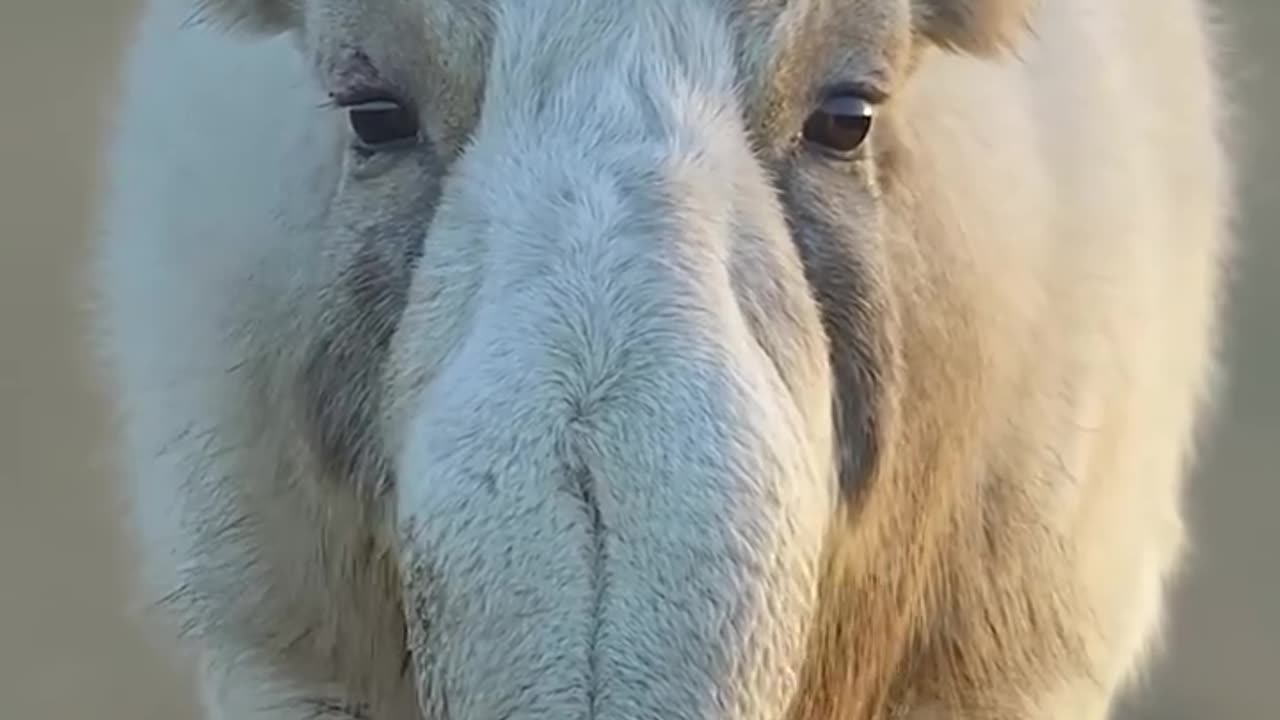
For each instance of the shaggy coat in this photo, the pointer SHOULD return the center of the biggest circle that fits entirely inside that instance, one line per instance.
(613, 389)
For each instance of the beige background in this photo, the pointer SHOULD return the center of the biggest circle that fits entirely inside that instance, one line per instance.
(68, 648)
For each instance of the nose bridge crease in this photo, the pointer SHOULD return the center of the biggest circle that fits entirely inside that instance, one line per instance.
(585, 482)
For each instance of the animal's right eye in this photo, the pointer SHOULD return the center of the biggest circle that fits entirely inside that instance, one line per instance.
(383, 123)
(840, 124)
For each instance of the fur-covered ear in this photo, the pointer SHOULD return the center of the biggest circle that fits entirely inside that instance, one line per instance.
(979, 27)
(263, 16)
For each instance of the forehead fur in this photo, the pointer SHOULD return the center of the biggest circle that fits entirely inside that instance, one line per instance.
(981, 27)
(455, 56)
(447, 54)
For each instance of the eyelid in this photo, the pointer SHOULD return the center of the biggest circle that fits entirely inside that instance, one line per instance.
(367, 98)
(374, 105)
(871, 93)
(864, 107)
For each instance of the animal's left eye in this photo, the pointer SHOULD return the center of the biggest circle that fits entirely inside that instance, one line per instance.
(841, 124)
(383, 122)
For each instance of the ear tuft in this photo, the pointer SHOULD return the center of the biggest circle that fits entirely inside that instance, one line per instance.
(259, 16)
(984, 28)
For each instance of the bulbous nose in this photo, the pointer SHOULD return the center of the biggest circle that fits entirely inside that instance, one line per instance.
(613, 433)
(614, 481)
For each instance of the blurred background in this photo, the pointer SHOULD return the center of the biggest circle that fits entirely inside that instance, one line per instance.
(69, 647)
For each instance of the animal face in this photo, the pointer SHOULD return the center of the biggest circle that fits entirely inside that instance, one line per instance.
(652, 119)
(615, 297)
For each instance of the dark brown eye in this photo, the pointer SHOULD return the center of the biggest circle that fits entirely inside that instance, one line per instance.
(841, 124)
(382, 123)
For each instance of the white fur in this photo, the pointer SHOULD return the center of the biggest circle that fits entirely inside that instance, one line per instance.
(544, 343)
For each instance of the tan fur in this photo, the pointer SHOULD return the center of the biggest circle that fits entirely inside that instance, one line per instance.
(935, 589)
(984, 27)
(942, 599)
